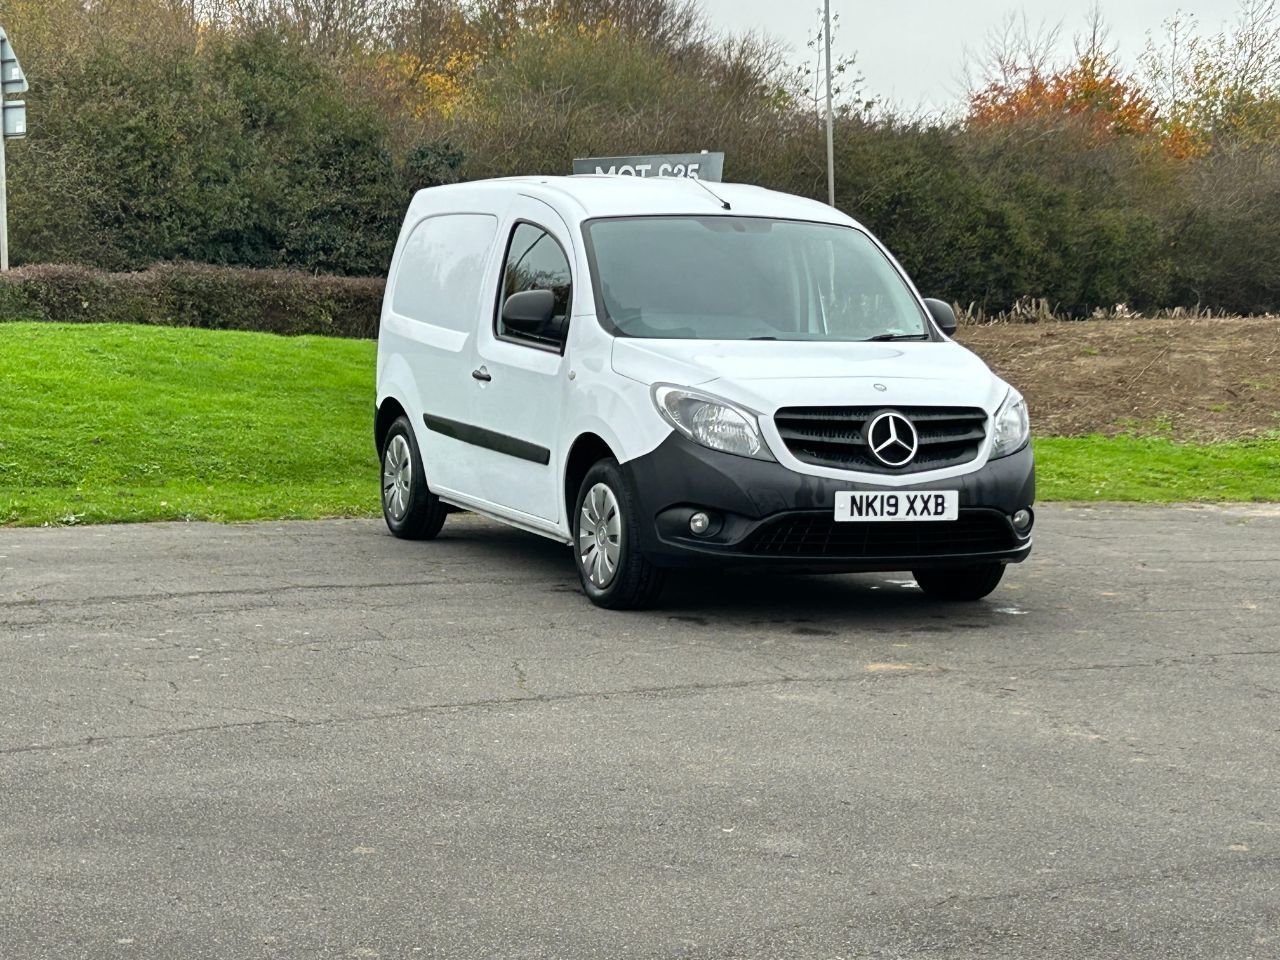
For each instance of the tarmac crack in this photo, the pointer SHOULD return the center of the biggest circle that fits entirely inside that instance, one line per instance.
(428, 709)
(1207, 659)
(163, 596)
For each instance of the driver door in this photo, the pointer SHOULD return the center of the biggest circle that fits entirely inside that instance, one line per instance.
(521, 376)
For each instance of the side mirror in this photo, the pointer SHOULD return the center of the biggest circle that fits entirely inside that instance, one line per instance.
(529, 313)
(942, 315)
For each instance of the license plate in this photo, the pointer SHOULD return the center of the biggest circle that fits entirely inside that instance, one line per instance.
(880, 505)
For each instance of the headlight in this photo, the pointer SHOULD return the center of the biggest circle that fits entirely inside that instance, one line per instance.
(1012, 426)
(710, 421)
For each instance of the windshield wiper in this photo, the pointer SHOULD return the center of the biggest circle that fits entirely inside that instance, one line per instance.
(896, 336)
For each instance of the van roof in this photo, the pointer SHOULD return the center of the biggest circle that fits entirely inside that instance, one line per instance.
(585, 196)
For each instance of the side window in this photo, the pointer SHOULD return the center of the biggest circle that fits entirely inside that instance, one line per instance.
(439, 279)
(536, 261)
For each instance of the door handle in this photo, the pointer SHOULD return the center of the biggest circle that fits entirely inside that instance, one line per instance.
(482, 375)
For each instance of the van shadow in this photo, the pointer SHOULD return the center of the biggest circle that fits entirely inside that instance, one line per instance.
(814, 603)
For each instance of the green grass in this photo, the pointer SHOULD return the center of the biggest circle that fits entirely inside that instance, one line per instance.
(117, 423)
(121, 423)
(1156, 470)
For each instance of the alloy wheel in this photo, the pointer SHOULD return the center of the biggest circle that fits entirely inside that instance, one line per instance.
(600, 536)
(397, 477)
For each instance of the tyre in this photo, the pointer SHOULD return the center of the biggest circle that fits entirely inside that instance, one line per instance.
(960, 583)
(613, 571)
(411, 510)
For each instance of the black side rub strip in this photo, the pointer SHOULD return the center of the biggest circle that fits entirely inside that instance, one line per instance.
(480, 437)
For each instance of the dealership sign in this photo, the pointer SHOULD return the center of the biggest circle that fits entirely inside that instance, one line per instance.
(694, 166)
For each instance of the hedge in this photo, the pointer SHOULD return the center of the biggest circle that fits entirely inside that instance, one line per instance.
(190, 295)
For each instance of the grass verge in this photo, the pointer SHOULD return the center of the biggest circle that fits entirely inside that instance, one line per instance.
(122, 423)
(1156, 470)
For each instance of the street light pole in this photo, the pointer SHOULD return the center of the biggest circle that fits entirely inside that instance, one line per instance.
(831, 147)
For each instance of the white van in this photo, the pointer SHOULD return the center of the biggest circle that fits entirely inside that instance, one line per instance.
(664, 373)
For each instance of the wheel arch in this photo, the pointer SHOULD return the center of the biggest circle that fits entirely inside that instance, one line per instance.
(387, 413)
(588, 449)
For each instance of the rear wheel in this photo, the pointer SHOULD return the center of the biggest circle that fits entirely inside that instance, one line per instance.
(960, 583)
(411, 510)
(613, 571)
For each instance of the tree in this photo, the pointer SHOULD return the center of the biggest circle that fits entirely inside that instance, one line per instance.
(1091, 90)
(1224, 87)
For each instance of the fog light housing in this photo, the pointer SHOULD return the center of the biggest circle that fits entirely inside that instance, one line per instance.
(1022, 520)
(699, 524)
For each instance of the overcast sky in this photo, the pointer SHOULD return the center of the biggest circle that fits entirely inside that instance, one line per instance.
(912, 52)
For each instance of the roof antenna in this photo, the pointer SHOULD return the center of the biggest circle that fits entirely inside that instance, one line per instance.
(719, 199)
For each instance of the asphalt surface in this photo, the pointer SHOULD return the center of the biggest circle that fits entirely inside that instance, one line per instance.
(311, 740)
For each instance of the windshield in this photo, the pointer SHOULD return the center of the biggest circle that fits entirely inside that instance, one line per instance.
(747, 278)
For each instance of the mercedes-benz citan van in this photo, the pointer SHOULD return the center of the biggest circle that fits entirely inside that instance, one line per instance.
(663, 373)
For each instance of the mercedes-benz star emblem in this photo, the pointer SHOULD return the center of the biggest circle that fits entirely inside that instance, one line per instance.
(892, 439)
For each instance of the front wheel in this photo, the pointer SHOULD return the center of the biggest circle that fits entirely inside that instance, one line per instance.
(613, 571)
(960, 583)
(411, 510)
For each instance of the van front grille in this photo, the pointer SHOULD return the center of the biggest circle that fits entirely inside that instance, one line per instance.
(837, 436)
(821, 536)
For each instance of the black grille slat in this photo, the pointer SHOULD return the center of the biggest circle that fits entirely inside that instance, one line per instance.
(846, 460)
(926, 415)
(822, 537)
(930, 438)
(809, 432)
(817, 435)
(819, 413)
(833, 436)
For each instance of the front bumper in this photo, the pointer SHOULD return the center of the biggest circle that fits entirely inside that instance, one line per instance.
(767, 515)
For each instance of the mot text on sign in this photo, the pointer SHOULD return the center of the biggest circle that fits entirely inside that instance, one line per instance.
(694, 166)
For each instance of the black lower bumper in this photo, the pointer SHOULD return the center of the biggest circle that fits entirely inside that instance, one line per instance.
(764, 514)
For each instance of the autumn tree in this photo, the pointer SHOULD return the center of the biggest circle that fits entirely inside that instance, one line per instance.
(1222, 87)
(1020, 85)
